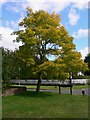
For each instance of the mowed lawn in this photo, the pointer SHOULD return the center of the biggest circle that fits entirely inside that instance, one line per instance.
(75, 87)
(45, 105)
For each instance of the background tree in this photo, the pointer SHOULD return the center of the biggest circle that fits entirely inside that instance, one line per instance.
(43, 37)
(10, 66)
(87, 60)
(6, 67)
(13, 67)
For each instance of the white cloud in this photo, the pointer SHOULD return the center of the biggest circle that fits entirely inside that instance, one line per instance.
(11, 24)
(2, 1)
(17, 7)
(84, 52)
(80, 33)
(73, 17)
(81, 5)
(13, 8)
(14, 24)
(50, 5)
(57, 5)
(7, 39)
(37, 4)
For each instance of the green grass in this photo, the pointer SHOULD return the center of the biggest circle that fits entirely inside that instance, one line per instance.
(81, 86)
(45, 105)
(56, 88)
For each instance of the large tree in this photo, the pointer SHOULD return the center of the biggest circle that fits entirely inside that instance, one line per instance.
(44, 37)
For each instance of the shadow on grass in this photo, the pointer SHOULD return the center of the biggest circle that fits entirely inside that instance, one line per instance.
(34, 94)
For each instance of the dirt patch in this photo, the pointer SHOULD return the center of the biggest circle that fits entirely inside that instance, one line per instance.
(13, 91)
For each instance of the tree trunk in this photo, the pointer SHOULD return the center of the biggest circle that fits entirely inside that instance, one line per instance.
(70, 80)
(38, 85)
(59, 90)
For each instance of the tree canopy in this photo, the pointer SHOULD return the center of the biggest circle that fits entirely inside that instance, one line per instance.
(87, 60)
(44, 36)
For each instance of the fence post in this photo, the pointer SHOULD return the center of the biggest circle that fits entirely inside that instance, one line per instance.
(59, 90)
(71, 90)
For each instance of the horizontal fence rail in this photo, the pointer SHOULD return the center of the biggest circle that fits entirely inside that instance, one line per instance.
(56, 82)
(44, 83)
(36, 81)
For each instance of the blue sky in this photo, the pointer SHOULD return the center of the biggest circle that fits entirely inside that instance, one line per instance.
(74, 16)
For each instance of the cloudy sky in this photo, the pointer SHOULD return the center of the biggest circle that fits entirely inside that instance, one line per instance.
(74, 16)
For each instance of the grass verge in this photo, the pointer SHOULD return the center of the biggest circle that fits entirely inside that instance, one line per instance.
(45, 105)
(75, 87)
